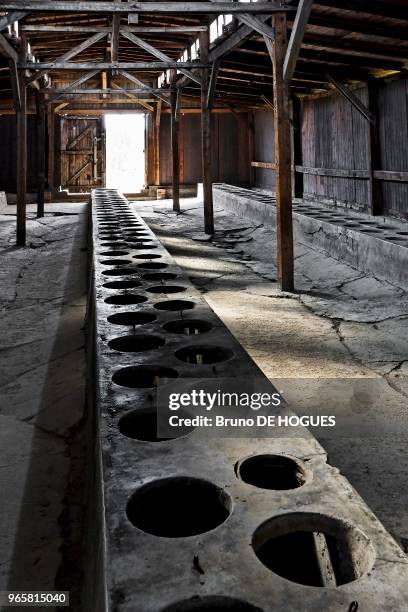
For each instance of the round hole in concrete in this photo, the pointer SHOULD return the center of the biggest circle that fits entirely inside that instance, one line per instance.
(193, 506)
(147, 256)
(370, 231)
(313, 549)
(369, 222)
(203, 355)
(402, 233)
(166, 289)
(388, 227)
(143, 376)
(153, 265)
(126, 299)
(114, 245)
(212, 603)
(120, 272)
(159, 276)
(175, 305)
(131, 318)
(125, 284)
(137, 343)
(141, 425)
(275, 472)
(114, 253)
(188, 327)
(142, 247)
(114, 262)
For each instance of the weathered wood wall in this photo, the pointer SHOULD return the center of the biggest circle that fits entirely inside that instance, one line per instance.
(264, 150)
(392, 104)
(8, 140)
(230, 153)
(336, 137)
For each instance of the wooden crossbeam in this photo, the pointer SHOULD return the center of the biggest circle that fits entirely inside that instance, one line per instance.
(90, 29)
(10, 18)
(7, 49)
(114, 48)
(213, 84)
(204, 7)
(352, 98)
(159, 54)
(78, 138)
(68, 55)
(133, 97)
(296, 37)
(58, 65)
(100, 90)
(233, 41)
(78, 173)
(133, 79)
(74, 84)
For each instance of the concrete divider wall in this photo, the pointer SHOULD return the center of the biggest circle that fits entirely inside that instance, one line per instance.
(226, 552)
(376, 245)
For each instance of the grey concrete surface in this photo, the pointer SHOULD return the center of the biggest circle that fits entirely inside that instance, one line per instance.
(376, 246)
(341, 326)
(150, 563)
(42, 399)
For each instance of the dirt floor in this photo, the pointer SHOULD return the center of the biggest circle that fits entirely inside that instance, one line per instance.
(338, 346)
(42, 399)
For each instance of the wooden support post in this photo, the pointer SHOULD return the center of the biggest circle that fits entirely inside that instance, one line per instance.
(206, 137)
(297, 145)
(251, 146)
(41, 127)
(175, 143)
(374, 157)
(51, 148)
(22, 149)
(283, 172)
(157, 144)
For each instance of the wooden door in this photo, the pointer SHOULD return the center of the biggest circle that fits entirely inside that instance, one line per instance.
(82, 153)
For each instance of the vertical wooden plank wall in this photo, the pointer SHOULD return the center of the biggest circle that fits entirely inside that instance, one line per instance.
(230, 153)
(392, 102)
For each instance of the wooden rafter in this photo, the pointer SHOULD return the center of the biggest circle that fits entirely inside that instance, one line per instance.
(68, 55)
(159, 54)
(147, 7)
(296, 37)
(143, 86)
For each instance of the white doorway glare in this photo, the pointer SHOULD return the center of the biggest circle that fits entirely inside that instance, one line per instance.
(125, 161)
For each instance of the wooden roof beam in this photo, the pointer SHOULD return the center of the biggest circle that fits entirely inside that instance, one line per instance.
(10, 18)
(73, 85)
(66, 56)
(7, 49)
(153, 66)
(143, 86)
(159, 54)
(135, 29)
(296, 38)
(147, 7)
(352, 98)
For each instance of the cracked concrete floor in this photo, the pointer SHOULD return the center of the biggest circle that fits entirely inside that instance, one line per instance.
(337, 346)
(42, 387)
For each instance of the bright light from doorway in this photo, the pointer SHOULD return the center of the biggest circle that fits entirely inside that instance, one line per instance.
(125, 161)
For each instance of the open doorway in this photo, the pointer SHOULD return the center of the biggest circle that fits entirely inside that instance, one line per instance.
(125, 156)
